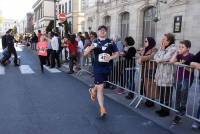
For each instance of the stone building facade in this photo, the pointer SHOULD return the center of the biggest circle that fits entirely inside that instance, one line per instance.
(142, 18)
(43, 14)
(73, 10)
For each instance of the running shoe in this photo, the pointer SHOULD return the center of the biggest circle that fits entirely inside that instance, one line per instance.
(102, 112)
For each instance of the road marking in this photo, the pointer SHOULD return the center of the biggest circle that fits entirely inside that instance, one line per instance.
(25, 69)
(65, 65)
(52, 70)
(2, 70)
(18, 49)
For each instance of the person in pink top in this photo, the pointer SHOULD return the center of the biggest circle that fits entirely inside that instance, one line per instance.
(42, 47)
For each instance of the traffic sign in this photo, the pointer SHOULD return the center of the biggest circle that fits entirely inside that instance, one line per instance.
(62, 17)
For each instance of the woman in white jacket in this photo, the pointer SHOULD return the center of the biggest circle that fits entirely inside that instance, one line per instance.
(164, 73)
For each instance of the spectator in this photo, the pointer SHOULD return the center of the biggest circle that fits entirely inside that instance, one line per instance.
(196, 65)
(104, 52)
(86, 44)
(4, 43)
(72, 45)
(10, 44)
(129, 66)
(148, 69)
(80, 49)
(93, 36)
(164, 74)
(49, 50)
(184, 78)
(34, 40)
(55, 51)
(120, 46)
(42, 47)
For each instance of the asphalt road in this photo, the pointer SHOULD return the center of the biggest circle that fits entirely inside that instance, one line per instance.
(57, 103)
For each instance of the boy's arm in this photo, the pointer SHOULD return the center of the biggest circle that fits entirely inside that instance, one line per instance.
(174, 58)
(195, 65)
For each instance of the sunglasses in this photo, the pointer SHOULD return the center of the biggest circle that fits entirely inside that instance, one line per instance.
(145, 41)
(102, 30)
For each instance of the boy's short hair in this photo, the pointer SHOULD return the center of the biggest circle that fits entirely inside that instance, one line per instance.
(102, 27)
(187, 43)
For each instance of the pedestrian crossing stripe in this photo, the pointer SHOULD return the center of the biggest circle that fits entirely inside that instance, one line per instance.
(52, 70)
(2, 70)
(18, 49)
(25, 69)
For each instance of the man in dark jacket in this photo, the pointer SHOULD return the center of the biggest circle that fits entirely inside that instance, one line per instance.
(4, 44)
(34, 40)
(10, 44)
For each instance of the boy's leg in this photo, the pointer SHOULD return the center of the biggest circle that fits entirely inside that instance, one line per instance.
(184, 96)
(178, 95)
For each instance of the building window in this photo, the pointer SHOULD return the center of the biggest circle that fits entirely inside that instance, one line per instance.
(107, 23)
(60, 9)
(41, 12)
(70, 26)
(82, 5)
(66, 8)
(149, 26)
(124, 25)
(70, 6)
(63, 8)
(42, 9)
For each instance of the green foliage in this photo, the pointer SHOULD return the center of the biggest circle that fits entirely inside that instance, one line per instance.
(50, 26)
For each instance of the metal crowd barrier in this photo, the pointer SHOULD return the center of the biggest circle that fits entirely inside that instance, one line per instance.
(174, 86)
(86, 66)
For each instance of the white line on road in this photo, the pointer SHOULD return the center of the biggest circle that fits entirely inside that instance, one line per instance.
(25, 69)
(52, 70)
(2, 70)
(18, 49)
(66, 66)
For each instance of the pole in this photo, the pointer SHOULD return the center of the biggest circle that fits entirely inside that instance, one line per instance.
(54, 15)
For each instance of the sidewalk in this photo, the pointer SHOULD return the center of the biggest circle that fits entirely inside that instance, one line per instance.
(183, 128)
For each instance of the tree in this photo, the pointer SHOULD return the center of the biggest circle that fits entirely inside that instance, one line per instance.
(50, 27)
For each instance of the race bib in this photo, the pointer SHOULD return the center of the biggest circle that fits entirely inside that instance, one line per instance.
(102, 57)
(103, 48)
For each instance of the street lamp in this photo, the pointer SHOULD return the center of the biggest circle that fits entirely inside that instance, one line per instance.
(156, 18)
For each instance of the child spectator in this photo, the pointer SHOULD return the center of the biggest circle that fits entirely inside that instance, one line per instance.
(184, 77)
